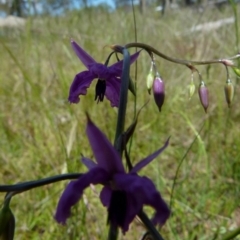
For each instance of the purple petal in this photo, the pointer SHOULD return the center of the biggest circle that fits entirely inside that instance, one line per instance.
(134, 208)
(100, 70)
(79, 86)
(148, 159)
(140, 191)
(105, 196)
(85, 58)
(106, 156)
(116, 68)
(162, 210)
(130, 184)
(89, 163)
(74, 191)
(113, 91)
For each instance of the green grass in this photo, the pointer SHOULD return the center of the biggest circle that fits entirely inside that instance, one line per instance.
(43, 135)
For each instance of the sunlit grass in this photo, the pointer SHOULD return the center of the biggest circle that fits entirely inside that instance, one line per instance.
(42, 135)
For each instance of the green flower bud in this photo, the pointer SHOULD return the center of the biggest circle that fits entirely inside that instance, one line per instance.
(229, 92)
(191, 89)
(150, 78)
(236, 70)
(159, 92)
(203, 95)
(7, 222)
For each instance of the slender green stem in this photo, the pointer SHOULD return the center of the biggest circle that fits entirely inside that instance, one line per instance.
(25, 186)
(187, 63)
(180, 164)
(136, 71)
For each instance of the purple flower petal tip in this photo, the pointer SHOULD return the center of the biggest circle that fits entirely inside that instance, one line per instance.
(85, 58)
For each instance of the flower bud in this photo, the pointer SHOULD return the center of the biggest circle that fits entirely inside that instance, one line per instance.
(237, 71)
(203, 95)
(158, 92)
(150, 78)
(191, 89)
(7, 223)
(229, 92)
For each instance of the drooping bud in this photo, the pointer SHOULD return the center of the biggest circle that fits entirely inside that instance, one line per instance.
(203, 95)
(158, 92)
(237, 71)
(191, 89)
(229, 92)
(150, 78)
(7, 222)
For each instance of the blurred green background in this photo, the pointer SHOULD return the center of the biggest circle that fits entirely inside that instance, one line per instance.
(43, 135)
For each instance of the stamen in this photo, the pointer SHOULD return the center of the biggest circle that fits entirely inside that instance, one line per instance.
(100, 90)
(118, 208)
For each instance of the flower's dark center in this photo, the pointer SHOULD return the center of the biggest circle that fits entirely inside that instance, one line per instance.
(100, 90)
(118, 208)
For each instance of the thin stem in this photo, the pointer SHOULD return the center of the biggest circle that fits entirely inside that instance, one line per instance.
(136, 70)
(180, 164)
(156, 235)
(123, 99)
(187, 63)
(25, 186)
(113, 232)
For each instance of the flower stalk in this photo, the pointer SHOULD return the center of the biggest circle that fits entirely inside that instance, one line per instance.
(188, 63)
(123, 99)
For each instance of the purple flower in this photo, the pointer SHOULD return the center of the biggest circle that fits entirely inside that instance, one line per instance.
(108, 78)
(124, 194)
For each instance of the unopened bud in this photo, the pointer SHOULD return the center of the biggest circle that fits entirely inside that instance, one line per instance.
(158, 92)
(191, 89)
(7, 223)
(229, 92)
(203, 95)
(150, 78)
(236, 70)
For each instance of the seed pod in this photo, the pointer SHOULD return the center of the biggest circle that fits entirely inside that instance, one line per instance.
(203, 95)
(229, 92)
(158, 92)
